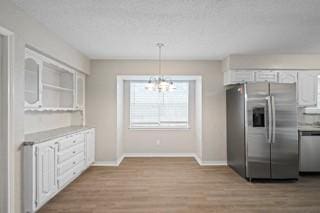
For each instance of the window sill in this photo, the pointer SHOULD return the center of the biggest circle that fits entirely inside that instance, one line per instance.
(160, 128)
(311, 111)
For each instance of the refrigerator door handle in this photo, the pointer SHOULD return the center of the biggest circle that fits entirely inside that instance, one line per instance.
(273, 120)
(269, 129)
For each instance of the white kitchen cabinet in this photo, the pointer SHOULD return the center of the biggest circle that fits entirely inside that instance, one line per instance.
(51, 85)
(269, 76)
(287, 77)
(58, 86)
(39, 174)
(32, 82)
(239, 76)
(46, 174)
(307, 81)
(90, 146)
(307, 87)
(50, 165)
(80, 90)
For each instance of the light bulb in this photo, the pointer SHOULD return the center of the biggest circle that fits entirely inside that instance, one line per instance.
(149, 86)
(172, 86)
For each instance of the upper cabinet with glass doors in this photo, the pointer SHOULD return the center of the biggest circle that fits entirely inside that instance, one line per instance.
(80, 90)
(51, 86)
(32, 76)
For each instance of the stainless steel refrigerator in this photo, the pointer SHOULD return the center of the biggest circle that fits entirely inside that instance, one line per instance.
(262, 135)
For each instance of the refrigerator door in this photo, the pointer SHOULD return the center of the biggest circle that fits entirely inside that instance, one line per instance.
(284, 146)
(235, 129)
(258, 129)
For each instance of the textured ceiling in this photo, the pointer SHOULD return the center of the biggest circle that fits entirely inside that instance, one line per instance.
(191, 29)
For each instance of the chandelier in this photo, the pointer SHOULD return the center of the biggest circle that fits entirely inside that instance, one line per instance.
(160, 83)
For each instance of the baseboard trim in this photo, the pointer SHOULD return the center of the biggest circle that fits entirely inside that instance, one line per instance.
(213, 163)
(120, 160)
(197, 159)
(158, 155)
(105, 163)
(164, 155)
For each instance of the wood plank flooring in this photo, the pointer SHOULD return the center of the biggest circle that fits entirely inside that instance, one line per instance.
(167, 185)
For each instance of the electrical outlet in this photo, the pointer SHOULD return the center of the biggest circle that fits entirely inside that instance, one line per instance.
(158, 142)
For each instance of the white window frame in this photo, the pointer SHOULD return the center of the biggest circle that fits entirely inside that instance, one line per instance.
(184, 127)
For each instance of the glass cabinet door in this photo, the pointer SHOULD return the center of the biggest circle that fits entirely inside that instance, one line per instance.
(80, 82)
(32, 82)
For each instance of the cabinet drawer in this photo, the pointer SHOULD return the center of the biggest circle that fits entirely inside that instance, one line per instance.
(70, 164)
(72, 174)
(70, 141)
(69, 153)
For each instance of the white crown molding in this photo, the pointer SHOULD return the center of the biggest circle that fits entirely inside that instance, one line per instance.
(146, 77)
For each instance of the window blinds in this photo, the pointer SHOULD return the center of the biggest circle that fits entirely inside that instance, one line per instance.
(149, 109)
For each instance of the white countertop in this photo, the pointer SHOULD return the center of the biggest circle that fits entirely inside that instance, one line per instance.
(39, 137)
(309, 128)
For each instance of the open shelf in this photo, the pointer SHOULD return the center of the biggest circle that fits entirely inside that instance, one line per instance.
(49, 86)
(52, 109)
(31, 91)
(58, 87)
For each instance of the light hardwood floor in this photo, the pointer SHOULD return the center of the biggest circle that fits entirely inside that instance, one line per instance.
(166, 185)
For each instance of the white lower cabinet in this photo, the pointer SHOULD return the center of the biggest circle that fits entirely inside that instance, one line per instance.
(90, 146)
(50, 166)
(46, 175)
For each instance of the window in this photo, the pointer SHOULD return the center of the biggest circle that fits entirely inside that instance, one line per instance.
(150, 109)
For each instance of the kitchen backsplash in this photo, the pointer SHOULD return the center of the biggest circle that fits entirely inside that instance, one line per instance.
(307, 119)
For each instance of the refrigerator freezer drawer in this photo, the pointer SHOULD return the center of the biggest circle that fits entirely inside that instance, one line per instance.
(310, 152)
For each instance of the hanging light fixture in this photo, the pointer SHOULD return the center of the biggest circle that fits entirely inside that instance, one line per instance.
(160, 83)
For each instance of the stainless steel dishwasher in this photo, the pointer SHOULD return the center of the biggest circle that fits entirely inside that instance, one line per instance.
(309, 144)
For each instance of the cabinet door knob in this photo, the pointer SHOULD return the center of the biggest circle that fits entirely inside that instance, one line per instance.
(74, 152)
(74, 141)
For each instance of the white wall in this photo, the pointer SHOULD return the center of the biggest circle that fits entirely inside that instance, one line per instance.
(139, 141)
(120, 118)
(101, 102)
(3, 155)
(28, 31)
(42, 121)
(32, 33)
